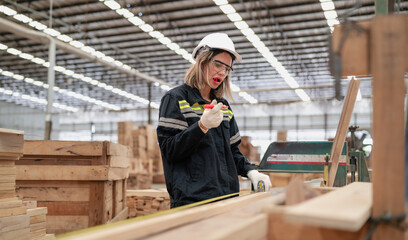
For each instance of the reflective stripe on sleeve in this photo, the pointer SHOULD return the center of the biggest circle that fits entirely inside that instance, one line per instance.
(235, 138)
(172, 123)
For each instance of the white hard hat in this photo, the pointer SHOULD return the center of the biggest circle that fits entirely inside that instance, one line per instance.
(218, 41)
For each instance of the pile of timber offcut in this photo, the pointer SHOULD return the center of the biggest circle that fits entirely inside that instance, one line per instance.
(16, 221)
(38, 223)
(147, 201)
(249, 151)
(146, 165)
(83, 184)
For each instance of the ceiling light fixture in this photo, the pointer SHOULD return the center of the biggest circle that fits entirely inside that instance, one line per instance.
(138, 22)
(83, 78)
(57, 89)
(65, 38)
(228, 9)
(329, 13)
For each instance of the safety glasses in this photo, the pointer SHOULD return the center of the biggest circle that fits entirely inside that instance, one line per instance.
(219, 66)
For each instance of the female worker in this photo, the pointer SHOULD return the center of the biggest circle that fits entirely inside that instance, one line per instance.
(199, 146)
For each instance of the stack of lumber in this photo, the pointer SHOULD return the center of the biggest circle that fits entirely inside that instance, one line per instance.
(14, 221)
(149, 164)
(338, 214)
(38, 222)
(249, 151)
(125, 133)
(147, 201)
(146, 165)
(82, 184)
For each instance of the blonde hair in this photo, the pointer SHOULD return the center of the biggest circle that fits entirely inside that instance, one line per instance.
(195, 75)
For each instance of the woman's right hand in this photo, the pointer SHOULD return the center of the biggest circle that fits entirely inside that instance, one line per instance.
(212, 118)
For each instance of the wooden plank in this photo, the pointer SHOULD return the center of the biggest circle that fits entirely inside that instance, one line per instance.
(7, 193)
(37, 233)
(5, 212)
(11, 143)
(114, 149)
(11, 204)
(389, 37)
(7, 170)
(37, 226)
(119, 161)
(342, 129)
(38, 219)
(122, 215)
(56, 193)
(62, 148)
(353, 39)
(11, 131)
(346, 208)
(108, 202)
(118, 198)
(65, 208)
(37, 211)
(7, 186)
(14, 223)
(91, 173)
(70, 223)
(148, 192)
(7, 178)
(96, 203)
(52, 183)
(244, 222)
(280, 229)
(7, 163)
(137, 229)
(116, 173)
(60, 160)
(20, 234)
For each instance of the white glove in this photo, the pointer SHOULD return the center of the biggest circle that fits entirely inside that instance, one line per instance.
(256, 176)
(212, 118)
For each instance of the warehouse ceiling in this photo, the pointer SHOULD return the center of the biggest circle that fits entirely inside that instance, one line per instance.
(110, 55)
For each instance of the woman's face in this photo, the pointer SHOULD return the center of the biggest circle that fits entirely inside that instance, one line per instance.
(217, 69)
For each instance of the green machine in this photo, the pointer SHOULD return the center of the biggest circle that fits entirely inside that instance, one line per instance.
(310, 157)
(357, 157)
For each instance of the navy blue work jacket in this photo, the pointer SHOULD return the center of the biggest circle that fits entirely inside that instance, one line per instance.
(198, 166)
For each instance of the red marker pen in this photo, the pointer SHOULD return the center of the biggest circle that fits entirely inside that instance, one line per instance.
(211, 106)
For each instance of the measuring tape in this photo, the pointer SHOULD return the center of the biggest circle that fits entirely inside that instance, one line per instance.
(260, 186)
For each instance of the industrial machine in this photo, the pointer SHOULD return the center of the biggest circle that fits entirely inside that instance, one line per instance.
(313, 157)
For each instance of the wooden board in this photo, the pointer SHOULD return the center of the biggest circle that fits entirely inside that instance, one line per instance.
(55, 193)
(244, 222)
(342, 129)
(20, 234)
(353, 39)
(173, 218)
(280, 229)
(11, 144)
(148, 192)
(63, 223)
(389, 38)
(347, 208)
(114, 149)
(11, 223)
(62, 148)
(93, 173)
